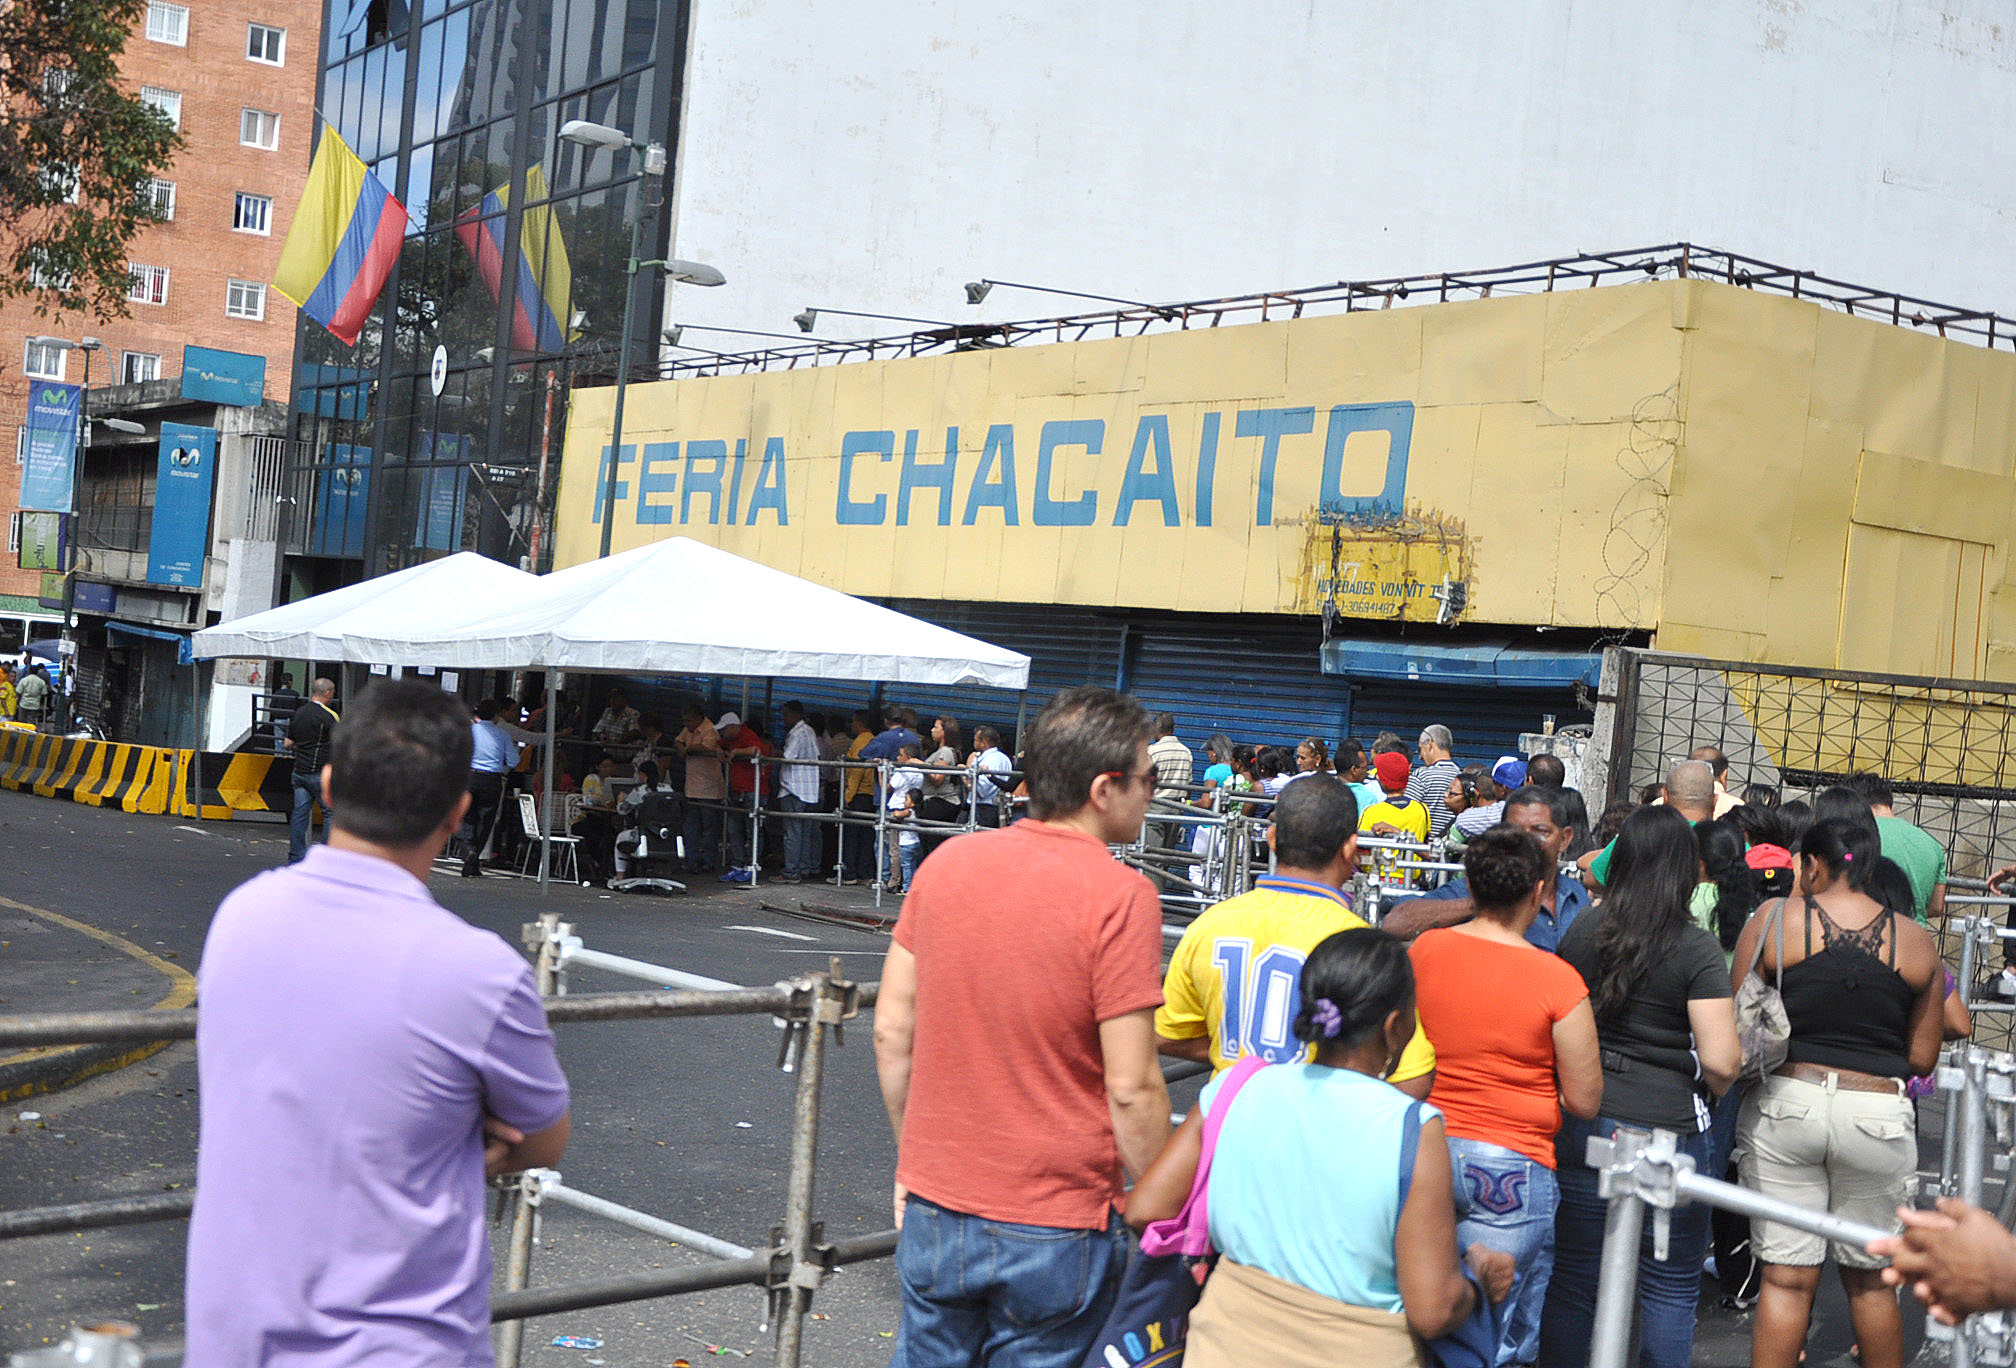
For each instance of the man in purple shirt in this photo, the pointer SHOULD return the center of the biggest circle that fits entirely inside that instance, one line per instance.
(364, 1057)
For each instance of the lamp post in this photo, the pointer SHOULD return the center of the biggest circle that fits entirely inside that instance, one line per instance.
(589, 134)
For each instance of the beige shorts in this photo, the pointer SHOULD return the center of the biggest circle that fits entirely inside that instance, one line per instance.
(1851, 1153)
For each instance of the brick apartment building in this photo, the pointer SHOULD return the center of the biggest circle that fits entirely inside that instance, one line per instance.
(239, 80)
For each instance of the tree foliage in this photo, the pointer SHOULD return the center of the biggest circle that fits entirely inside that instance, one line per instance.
(78, 153)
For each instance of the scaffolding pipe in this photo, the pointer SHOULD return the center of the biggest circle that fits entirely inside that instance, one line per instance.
(551, 1190)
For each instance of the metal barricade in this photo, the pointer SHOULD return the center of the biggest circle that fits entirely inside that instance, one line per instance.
(790, 1270)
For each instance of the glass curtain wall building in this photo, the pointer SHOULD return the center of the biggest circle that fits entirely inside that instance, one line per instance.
(512, 270)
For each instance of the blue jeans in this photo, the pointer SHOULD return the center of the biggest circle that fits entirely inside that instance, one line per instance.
(300, 821)
(1507, 1202)
(1669, 1290)
(1006, 1295)
(702, 836)
(801, 838)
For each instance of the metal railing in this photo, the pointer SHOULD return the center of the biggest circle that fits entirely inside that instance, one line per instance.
(790, 1270)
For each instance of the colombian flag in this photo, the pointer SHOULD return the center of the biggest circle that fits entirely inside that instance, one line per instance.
(545, 280)
(342, 243)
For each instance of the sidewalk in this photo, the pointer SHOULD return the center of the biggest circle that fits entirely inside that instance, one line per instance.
(53, 963)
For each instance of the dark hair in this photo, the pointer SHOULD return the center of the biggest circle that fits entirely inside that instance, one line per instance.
(1847, 849)
(1313, 819)
(647, 721)
(1243, 759)
(1611, 822)
(1760, 825)
(647, 774)
(1546, 771)
(1580, 842)
(986, 735)
(1364, 974)
(906, 717)
(1553, 799)
(1503, 865)
(399, 761)
(1891, 886)
(793, 706)
(1350, 751)
(1083, 733)
(956, 738)
(1165, 724)
(1841, 803)
(1722, 846)
(1653, 869)
(695, 713)
(1319, 746)
(1761, 795)
(1651, 794)
(1793, 819)
(1267, 764)
(1873, 787)
(487, 709)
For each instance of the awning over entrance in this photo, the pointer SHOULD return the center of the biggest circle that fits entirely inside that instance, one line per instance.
(1477, 662)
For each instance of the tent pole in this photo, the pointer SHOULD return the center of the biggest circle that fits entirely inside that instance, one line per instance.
(1021, 718)
(546, 794)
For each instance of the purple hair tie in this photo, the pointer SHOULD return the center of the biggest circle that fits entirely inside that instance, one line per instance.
(1327, 1018)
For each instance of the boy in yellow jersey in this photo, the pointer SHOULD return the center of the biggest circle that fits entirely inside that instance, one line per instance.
(1234, 983)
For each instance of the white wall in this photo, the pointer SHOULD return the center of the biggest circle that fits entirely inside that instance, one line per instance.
(875, 154)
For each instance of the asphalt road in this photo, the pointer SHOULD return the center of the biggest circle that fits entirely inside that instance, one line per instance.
(688, 1120)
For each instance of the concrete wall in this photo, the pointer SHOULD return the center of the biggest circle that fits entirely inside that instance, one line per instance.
(874, 156)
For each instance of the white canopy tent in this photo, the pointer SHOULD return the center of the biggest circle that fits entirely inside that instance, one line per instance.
(674, 607)
(682, 607)
(377, 622)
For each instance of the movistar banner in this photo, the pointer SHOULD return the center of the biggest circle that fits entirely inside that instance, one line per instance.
(50, 461)
(181, 532)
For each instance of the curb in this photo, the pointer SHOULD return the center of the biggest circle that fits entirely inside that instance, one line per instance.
(51, 1068)
(63, 1066)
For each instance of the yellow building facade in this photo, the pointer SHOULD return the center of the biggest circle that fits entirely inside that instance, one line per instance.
(1740, 475)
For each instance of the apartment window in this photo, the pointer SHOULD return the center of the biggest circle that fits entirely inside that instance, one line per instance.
(149, 284)
(14, 535)
(135, 367)
(252, 214)
(264, 43)
(160, 194)
(169, 102)
(21, 445)
(42, 362)
(257, 128)
(40, 277)
(56, 83)
(245, 299)
(60, 179)
(167, 23)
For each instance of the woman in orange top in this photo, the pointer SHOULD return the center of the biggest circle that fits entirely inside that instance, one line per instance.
(1515, 1041)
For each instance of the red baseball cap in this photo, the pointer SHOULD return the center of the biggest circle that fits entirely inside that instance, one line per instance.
(1393, 769)
(1765, 857)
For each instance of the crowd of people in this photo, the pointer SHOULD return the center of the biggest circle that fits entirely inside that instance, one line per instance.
(26, 692)
(1577, 978)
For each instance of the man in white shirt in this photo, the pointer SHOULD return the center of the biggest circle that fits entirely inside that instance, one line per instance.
(991, 766)
(798, 791)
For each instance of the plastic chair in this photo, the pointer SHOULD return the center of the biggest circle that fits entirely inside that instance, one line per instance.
(565, 848)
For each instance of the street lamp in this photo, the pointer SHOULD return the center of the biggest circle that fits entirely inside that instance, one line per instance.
(69, 651)
(809, 319)
(977, 290)
(588, 134)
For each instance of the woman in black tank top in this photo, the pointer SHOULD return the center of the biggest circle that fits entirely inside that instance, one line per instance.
(1831, 1128)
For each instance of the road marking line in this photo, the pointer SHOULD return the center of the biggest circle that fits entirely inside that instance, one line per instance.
(181, 993)
(770, 931)
(198, 830)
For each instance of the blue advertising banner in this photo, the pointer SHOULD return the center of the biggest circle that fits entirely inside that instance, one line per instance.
(50, 460)
(223, 377)
(442, 492)
(342, 492)
(181, 531)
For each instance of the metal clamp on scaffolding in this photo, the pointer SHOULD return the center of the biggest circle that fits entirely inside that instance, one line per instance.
(1637, 1169)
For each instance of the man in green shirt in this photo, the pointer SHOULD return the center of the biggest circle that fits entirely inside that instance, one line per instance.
(1922, 858)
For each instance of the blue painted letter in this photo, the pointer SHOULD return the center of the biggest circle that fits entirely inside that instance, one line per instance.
(1207, 466)
(927, 475)
(1140, 483)
(1397, 421)
(997, 456)
(606, 493)
(847, 510)
(657, 454)
(706, 481)
(1051, 511)
(1271, 425)
(769, 490)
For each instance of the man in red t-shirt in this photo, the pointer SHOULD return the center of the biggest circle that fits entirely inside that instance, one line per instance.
(1015, 1039)
(741, 743)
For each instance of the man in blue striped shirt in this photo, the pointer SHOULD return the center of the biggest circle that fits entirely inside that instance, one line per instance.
(495, 755)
